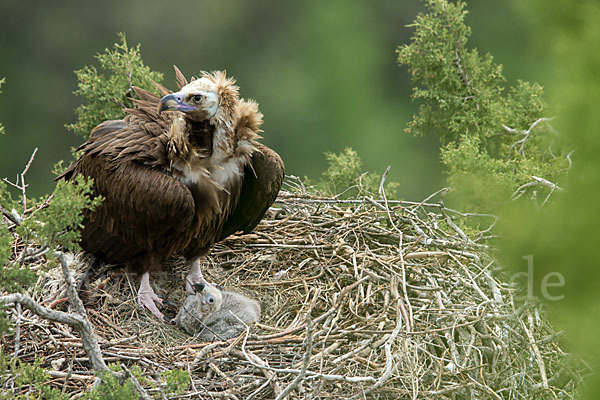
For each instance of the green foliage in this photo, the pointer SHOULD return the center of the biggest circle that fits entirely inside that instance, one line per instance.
(6, 242)
(55, 225)
(105, 96)
(2, 126)
(6, 199)
(177, 381)
(488, 132)
(15, 279)
(111, 388)
(12, 278)
(345, 178)
(59, 223)
(30, 380)
(472, 170)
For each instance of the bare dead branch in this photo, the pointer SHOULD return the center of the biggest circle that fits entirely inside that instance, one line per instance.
(525, 135)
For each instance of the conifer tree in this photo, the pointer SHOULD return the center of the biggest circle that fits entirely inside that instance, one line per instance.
(498, 141)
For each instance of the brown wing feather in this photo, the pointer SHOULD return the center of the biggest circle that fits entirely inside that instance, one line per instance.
(144, 211)
(262, 181)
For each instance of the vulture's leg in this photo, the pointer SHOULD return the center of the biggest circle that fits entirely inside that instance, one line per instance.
(194, 276)
(147, 298)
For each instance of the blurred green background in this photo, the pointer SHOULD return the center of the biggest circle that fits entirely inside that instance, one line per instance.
(324, 73)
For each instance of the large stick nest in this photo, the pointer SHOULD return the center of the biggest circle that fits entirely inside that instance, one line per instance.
(361, 299)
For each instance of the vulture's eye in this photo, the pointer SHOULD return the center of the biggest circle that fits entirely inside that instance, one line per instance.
(197, 98)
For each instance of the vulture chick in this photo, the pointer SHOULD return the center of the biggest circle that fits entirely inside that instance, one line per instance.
(177, 174)
(213, 315)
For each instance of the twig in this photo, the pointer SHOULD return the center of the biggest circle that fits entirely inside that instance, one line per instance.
(394, 291)
(390, 368)
(465, 77)
(535, 349)
(311, 374)
(382, 182)
(259, 363)
(568, 156)
(138, 388)
(11, 217)
(307, 353)
(525, 133)
(385, 201)
(23, 185)
(536, 181)
(61, 374)
(545, 182)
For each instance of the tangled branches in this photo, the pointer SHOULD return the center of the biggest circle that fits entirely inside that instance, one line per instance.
(361, 298)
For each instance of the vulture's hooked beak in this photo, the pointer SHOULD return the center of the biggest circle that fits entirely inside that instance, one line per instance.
(174, 101)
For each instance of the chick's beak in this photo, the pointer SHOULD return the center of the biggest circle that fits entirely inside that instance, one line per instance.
(198, 287)
(174, 101)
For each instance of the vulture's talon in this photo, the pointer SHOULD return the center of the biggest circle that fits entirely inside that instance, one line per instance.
(147, 301)
(147, 298)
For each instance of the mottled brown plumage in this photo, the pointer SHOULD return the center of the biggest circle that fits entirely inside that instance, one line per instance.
(176, 182)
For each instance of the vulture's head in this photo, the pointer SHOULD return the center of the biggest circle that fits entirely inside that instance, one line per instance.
(212, 97)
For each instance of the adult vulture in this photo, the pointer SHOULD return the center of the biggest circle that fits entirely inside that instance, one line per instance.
(177, 174)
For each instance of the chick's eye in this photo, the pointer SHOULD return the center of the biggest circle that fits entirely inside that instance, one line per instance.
(211, 300)
(197, 98)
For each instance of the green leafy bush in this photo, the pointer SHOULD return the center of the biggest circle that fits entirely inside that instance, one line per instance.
(30, 381)
(13, 277)
(497, 141)
(48, 223)
(2, 126)
(111, 388)
(105, 96)
(177, 381)
(47, 227)
(345, 178)
(59, 224)
(6, 242)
